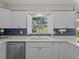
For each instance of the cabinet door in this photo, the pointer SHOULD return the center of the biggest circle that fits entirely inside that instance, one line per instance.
(49, 51)
(42, 50)
(66, 51)
(2, 50)
(5, 18)
(32, 53)
(45, 53)
(64, 19)
(55, 50)
(18, 19)
(76, 50)
(77, 6)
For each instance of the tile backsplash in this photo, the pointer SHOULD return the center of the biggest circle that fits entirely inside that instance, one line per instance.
(64, 32)
(23, 32)
(15, 31)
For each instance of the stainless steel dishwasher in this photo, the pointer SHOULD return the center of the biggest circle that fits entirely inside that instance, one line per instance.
(15, 50)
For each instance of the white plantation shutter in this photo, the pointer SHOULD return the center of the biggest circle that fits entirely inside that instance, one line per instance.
(50, 23)
(29, 24)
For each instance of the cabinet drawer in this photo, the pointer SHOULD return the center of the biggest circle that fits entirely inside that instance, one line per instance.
(41, 44)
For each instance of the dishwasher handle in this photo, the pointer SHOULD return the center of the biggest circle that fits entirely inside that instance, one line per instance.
(15, 43)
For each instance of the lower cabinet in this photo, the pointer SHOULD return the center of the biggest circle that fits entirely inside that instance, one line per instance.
(51, 50)
(32, 53)
(41, 51)
(66, 51)
(46, 50)
(2, 50)
(76, 50)
(45, 53)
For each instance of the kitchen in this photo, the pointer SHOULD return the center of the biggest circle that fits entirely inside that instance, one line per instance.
(39, 29)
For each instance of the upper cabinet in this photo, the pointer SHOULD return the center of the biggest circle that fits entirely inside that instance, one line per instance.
(35, 24)
(77, 6)
(18, 19)
(5, 18)
(64, 19)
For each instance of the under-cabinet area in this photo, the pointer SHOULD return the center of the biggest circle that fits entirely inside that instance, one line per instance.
(38, 50)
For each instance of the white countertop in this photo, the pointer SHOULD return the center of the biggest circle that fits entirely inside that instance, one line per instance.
(44, 39)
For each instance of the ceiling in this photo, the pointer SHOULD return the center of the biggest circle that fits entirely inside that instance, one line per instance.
(37, 1)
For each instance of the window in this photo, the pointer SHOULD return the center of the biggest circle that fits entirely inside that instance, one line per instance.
(39, 24)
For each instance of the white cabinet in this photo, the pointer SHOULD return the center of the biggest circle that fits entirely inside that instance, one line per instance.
(76, 50)
(5, 18)
(50, 50)
(45, 52)
(55, 53)
(66, 51)
(18, 19)
(77, 6)
(32, 53)
(2, 50)
(64, 19)
(40, 51)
